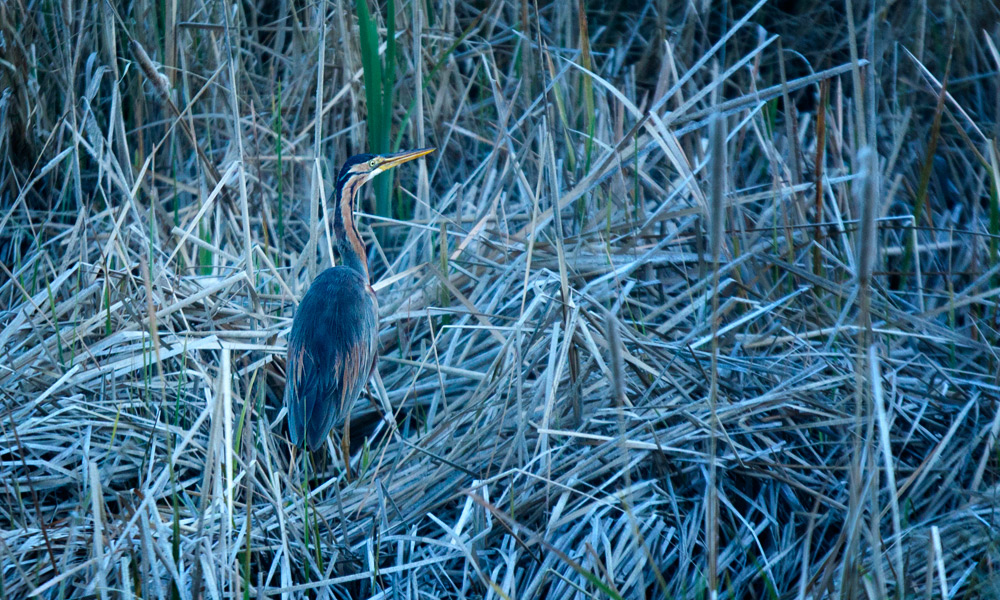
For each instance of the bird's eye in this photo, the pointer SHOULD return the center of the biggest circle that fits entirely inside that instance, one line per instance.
(373, 163)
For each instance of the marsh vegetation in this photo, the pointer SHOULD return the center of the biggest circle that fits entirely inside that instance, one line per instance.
(693, 297)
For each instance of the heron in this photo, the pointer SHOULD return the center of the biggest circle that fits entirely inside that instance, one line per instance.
(333, 342)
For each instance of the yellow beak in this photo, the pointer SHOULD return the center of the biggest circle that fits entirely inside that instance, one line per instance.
(394, 160)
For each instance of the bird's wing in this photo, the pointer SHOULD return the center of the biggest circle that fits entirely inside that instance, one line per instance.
(329, 363)
(298, 387)
(360, 359)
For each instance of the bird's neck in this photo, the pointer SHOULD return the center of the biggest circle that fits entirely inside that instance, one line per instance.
(349, 244)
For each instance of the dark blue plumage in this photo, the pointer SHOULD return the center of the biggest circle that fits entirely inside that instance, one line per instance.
(330, 353)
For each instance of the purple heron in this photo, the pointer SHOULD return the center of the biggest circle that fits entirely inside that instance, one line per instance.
(332, 346)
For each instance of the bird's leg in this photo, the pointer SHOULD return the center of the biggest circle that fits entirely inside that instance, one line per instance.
(345, 449)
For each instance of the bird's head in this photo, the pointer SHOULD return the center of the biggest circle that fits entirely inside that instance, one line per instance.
(367, 166)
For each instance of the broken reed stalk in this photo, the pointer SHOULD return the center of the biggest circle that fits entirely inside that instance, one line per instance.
(867, 251)
(717, 219)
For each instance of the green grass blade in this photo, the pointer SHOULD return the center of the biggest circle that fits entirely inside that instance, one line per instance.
(378, 98)
(383, 184)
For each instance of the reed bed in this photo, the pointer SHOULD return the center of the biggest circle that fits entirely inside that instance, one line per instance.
(693, 300)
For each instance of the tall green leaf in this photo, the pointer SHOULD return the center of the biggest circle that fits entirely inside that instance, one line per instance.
(379, 81)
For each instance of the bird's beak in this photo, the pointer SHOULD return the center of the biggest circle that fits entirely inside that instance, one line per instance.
(394, 160)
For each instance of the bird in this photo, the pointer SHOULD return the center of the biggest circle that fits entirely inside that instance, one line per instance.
(332, 346)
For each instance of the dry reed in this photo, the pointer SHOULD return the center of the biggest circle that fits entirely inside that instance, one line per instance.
(564, 330)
